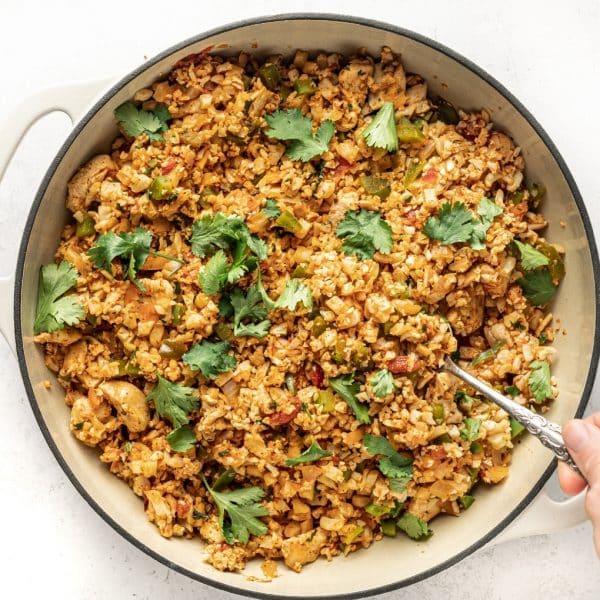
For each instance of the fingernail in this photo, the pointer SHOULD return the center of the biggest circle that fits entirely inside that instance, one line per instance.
(576, 435)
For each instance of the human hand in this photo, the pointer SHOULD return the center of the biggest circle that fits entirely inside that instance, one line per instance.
(582, 438)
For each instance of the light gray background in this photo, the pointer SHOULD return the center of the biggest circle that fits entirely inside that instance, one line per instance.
(52, 544)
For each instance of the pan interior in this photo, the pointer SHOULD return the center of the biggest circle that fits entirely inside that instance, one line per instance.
(392, 561)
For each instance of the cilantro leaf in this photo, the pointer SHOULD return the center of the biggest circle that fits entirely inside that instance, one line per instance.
(136, 121)
(210, 358)
(414, 527)
(347, 389)
(488, 210)
(173, 401)
(453, 224)
(470, 432)
(397, 476)
(382, 383)
(54, 312)
(292, 125)
(271, 209)
(537, 286)
(132, 248)
(216, 231)
(395, 466)
(530, 257)
(364, 232)
(242, 507)
(539, 380)
(312, 453)
(248, 308)
(214, 276)
(182, 439)
(381, 131)
(294, 293)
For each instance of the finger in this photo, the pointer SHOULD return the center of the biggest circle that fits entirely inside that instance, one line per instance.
(570, 482)
(594, 419)
(583, 442)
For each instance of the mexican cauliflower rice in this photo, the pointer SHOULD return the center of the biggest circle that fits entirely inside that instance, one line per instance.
(262, 278)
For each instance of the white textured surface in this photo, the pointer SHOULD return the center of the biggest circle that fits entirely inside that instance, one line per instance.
(53, 545)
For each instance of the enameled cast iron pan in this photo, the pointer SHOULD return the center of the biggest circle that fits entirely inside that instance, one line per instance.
(391, 563)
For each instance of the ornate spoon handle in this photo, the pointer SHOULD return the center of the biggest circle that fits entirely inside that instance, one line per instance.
(549, 433)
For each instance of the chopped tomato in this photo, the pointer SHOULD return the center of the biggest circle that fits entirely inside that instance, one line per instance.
(283, 418)
(430, 176)
(402, 364)
(168, 167)
(316, 376)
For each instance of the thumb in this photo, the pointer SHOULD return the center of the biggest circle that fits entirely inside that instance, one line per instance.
(583, 442)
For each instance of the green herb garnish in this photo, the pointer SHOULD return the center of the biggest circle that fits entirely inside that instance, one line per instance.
(382, 383)
(182, 439)
(381, 131)
(241, 507)
(539, 380)
(54, 310)
(292, 125)
(136, 121)
(312, 453)
(345, 387)
(530, 257)
(395, 466)
(364, 232)
(210, 358)
(173, 401)
(414, 527)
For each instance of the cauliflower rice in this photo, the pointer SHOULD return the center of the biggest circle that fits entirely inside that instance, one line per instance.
(402, 310)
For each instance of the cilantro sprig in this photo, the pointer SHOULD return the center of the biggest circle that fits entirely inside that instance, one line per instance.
(312, 453)
(173, 401)
(291, 125)
(364, 232)
(241, 507)
(455, 223)
(210, 358)
(136, 121)
(382, 383)
(395, 466)
(470, 431)
(539, 380)
(54, 310)
(295, 292)
(414, 527)
(347, 388)
(530, 257)
(132, 248)
(182, 439)
(381, 131)
(229, 233)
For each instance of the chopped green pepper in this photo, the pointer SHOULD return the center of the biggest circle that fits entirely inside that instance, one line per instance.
(352, 535)
(304, 87)
(128, 367)
(172, 349)
(413, 171)
(388, 528)
(409, 133)
(517, 197)
(319, 326)
(446, 112)
(286, 220)
(376, 510)
(515, 428)
(442, 439)
(466, 501)
(327, 401)
(476, 448)
(360, 355)
(270, 76)
(537, 191)
(377, 186)
(556, 267)
(86, 227)
(439, 412)
(473, 474)
(224, 332)
(160, 188)
(177, 313)
(300, 271)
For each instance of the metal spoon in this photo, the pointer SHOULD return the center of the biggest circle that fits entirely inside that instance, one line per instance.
(549, 433)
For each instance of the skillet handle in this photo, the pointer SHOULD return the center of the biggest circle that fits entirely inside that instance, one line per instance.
(545, 515)
(72, 99)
